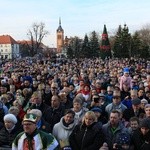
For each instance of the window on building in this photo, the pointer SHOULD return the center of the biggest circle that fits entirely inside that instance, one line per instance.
(6, 56)
(6, 50)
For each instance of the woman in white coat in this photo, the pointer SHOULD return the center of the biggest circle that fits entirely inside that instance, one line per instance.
(63, 129)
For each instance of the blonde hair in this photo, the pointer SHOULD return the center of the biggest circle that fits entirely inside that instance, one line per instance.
(90, 114)
(37, 94)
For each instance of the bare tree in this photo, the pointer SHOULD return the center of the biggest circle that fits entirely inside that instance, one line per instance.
(36, 35)
(144, 34)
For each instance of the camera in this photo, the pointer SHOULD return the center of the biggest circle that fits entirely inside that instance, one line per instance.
(96, 99)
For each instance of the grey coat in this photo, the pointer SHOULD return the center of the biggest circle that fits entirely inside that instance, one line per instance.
(110, 136)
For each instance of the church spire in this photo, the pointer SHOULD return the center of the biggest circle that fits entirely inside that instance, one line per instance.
(59, 21)
(60, 28)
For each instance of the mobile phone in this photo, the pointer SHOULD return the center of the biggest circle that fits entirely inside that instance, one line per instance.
(96, 99)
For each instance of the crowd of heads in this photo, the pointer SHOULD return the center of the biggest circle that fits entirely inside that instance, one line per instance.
(102, 89)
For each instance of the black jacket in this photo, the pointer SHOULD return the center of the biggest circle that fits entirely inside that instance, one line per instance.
(7, 138)
(86, 138)
(139, 141)
(128, 113)
(53, 116)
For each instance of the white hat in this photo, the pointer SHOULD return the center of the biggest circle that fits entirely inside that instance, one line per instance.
(36, 112)
(144, 101)
(10, 117)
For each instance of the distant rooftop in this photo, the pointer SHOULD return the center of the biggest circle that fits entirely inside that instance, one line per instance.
(7, 39)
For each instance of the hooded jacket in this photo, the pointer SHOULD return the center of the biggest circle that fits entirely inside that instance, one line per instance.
(62, 132)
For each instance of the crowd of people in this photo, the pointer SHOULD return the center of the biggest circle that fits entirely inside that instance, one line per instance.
(78, 104)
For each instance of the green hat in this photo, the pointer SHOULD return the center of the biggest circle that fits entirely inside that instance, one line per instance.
(30, 117)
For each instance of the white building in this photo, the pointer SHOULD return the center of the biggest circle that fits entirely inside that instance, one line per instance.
(9, 48)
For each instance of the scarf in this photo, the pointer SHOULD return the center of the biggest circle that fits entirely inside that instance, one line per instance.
(66, 124)
(9, 130)
(29, 141)
(85, 92)
(77, 114)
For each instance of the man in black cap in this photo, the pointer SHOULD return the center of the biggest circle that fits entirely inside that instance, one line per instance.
(135, 111)
(141, 137)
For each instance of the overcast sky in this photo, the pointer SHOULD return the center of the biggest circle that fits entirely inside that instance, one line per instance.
(78, 17)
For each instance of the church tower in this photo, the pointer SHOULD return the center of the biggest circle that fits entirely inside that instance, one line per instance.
(60, 38)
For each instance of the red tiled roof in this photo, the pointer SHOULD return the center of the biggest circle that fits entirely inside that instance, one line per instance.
(7, 39)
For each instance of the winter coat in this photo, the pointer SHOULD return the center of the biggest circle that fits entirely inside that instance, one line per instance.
(42, 141)
(86, 137)
(53, 116)
(62, 132)
(125, 80)
(79, 116)
(44, 126)
(141, 142)
(7, 138)
(120, 107)
(128, 113)
(110, 136)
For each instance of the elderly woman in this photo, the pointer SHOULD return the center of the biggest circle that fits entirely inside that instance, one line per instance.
(87, 135)
(9, 131)
(147, 110)
(78, 109)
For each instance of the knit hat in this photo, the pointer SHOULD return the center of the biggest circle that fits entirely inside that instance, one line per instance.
(96, 109)
(126, 70)
(145, 123)
(144, 101)
(10, 117)
(147, 105)
(123, 138)
(136, 101)
(30, 117)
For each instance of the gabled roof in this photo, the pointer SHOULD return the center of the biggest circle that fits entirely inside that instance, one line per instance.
(7, 39)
